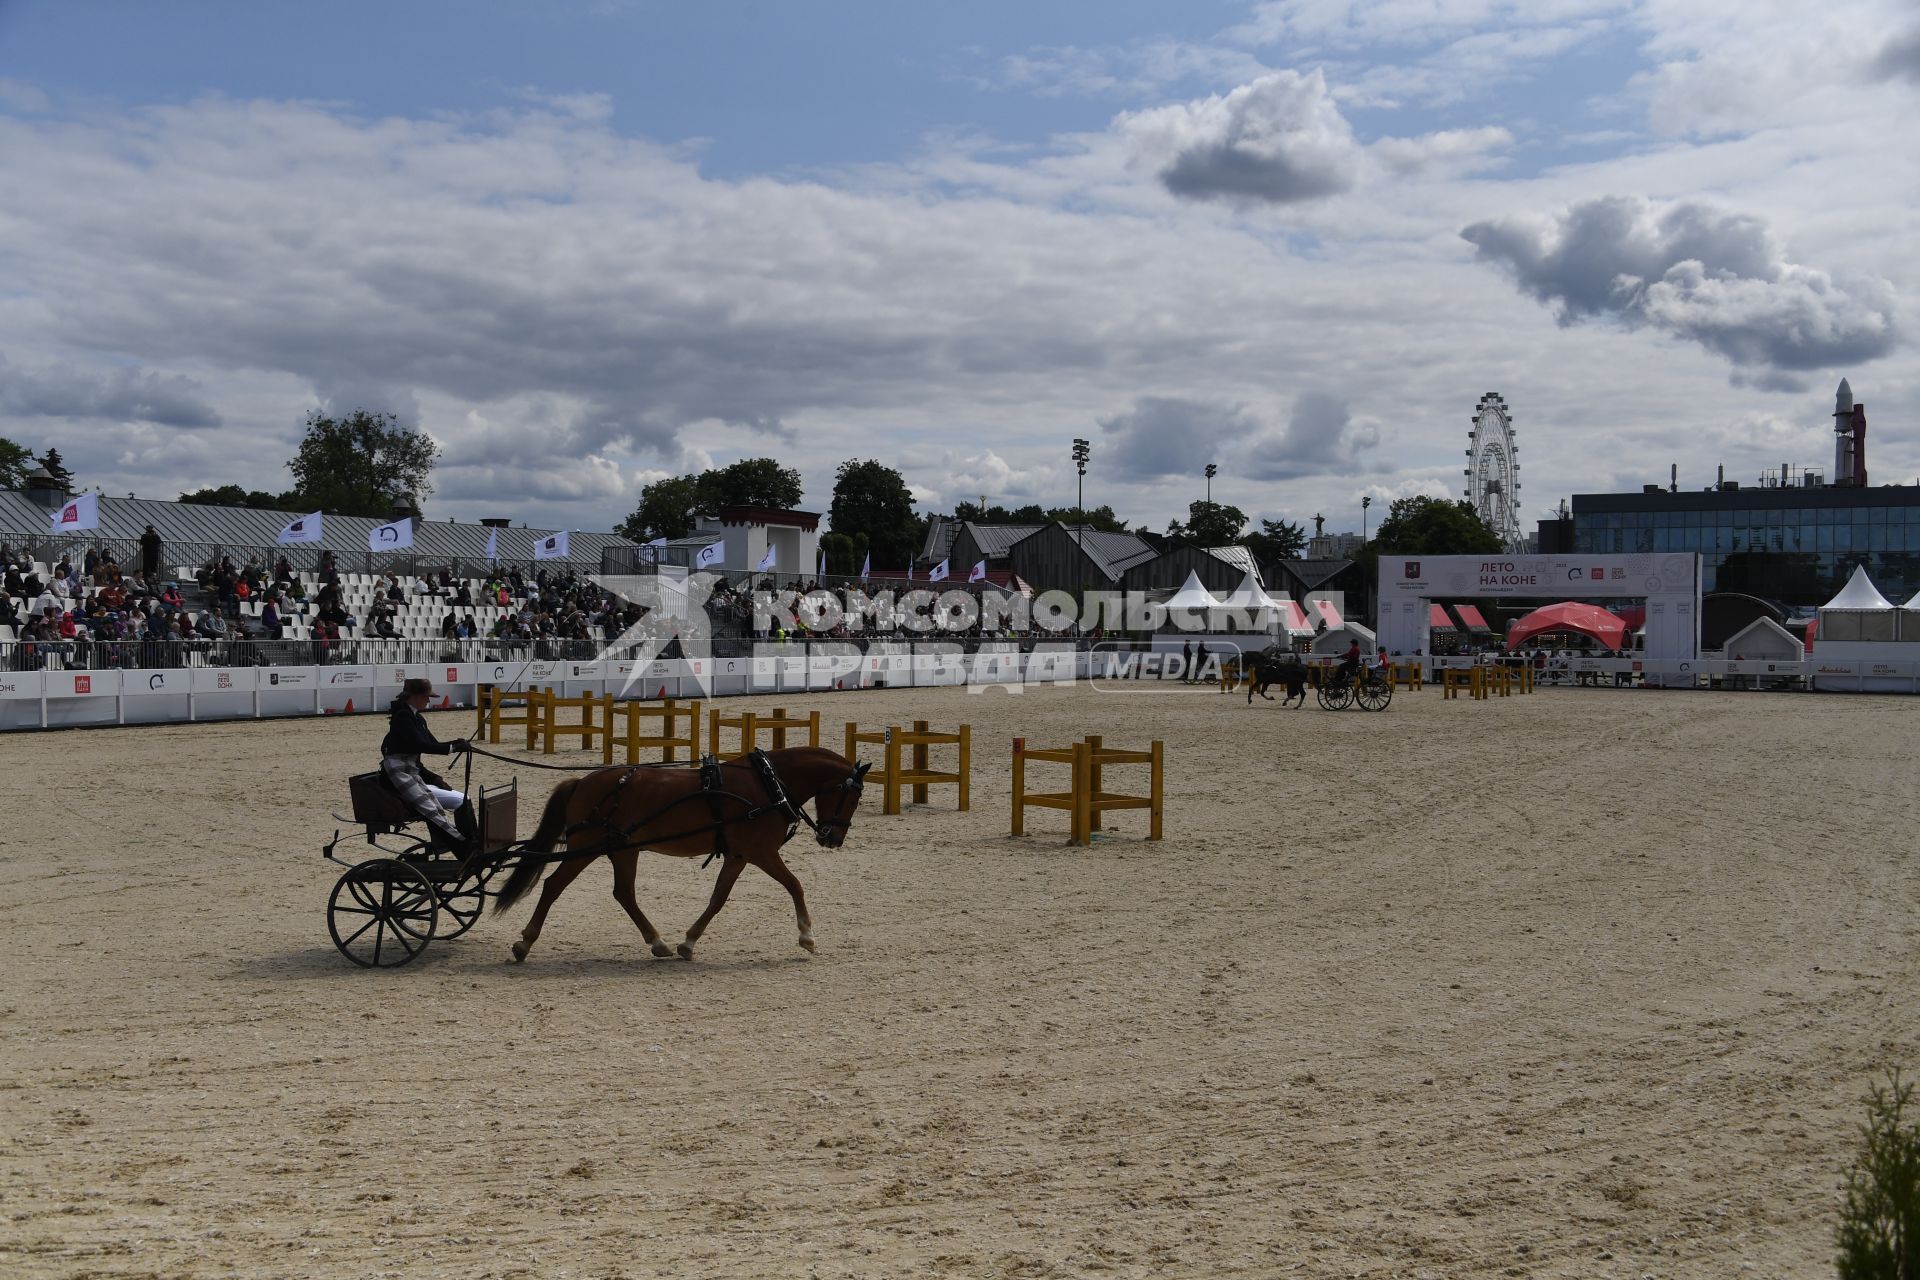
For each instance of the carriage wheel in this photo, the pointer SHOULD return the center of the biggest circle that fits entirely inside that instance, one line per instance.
(1374, 695)
(1337, 696)
(382, 913)
(464, 900)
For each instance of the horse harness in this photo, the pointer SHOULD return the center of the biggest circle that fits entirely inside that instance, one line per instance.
(713, 790)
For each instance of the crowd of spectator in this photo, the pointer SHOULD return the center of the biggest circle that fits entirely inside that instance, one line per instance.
(93, 613)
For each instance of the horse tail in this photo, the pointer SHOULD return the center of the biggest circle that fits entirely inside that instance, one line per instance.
(526, 872)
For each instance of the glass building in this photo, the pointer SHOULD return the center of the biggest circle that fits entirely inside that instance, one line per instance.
(1795, 545)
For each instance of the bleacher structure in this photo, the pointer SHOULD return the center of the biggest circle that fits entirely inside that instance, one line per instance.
(418, 616)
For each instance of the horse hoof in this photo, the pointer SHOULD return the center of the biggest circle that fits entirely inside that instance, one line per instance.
(661, 951)
(519, 953)
(684, 951)
(807, 942)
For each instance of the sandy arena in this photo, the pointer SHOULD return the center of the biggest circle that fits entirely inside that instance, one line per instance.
(1583, 984)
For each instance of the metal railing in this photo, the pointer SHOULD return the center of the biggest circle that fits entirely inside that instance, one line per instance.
(106, 655)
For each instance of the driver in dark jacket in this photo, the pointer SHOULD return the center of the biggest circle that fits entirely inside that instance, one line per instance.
(447, 811)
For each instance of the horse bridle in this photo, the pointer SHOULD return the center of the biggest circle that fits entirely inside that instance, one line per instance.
(853, 784)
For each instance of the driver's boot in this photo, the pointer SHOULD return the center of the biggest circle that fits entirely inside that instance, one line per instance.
(469, 829)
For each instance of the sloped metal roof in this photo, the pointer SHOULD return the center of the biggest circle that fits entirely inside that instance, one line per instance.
(1239, 557)
(995, 540)
(247, 531)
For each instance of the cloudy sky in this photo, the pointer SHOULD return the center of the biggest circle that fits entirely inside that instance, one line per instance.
(587, 243)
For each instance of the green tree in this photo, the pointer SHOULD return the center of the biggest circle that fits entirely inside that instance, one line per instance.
(360, 465)
(1209, 524)
(1277, 540)
(993, 513)
(232, 495)
(1101, 518)
(750, 482)
(16, 460)
(844, 553)
(1423, 526)
(667, 509)
(1879, 1231)
(57, 468)
(872, 502)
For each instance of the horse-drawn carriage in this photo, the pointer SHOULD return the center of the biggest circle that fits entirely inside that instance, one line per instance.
(1370, 690)
(386, 909)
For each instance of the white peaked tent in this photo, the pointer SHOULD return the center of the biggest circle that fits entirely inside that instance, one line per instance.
(1251, 597)
(1191, 595)
(1763, 638)
(1859, 612)
(1914, 603)
(1858, 594)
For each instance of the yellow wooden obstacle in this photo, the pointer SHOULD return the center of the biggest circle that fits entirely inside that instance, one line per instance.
(1472, 679)
(749, 725)
(919, 773)
(1087, 799)
(500, 709)
(545, 728)
(1408, 675)
(668, 741)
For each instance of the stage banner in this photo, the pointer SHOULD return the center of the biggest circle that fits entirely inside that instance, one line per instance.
(82, 684)
(223, 680)
(22, 684)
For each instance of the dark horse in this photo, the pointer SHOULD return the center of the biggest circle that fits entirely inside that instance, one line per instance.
(616, 812)
(1272, 665)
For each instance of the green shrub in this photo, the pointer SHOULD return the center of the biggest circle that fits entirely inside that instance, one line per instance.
(1879, 1233)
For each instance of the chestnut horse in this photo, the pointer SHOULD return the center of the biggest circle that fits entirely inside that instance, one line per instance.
(616, 812)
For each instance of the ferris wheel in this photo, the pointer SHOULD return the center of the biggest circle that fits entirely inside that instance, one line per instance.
(1493, 471)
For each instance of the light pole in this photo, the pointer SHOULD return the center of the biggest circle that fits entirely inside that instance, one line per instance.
(1366, 501)
(1212, 471)
(1081, 452)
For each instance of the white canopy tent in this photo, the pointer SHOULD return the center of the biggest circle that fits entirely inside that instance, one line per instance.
(1191, 595)
(1859, 594)
(1263, 610)
(1334, 640)
(1858, 613)
(1765, 638)
(1914, 603)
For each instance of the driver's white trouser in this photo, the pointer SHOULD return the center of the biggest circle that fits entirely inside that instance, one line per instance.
(435, 804)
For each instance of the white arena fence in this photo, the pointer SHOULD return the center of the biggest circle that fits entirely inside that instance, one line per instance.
(202, 687)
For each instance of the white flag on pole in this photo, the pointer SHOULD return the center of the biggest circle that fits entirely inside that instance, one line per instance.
(552, 547)
(306, 529)
(978, 573)
(767, 561)
(866, 566)
(939, 573)
(711, 555)
(823, 562)
(493, 545)
(391, 537)
(80, 513)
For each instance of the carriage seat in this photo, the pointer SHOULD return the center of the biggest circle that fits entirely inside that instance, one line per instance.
(376, 803)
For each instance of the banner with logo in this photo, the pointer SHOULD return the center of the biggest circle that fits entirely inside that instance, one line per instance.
(78, 514)
(939, 573)
(391, 537)
(711, 555)
(555, 546)
(21, 685)
(308, 528)
(224, 679)
(769, 560)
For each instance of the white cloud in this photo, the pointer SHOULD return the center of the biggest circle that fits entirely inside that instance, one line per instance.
(1716, 278)
(1277, 140)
